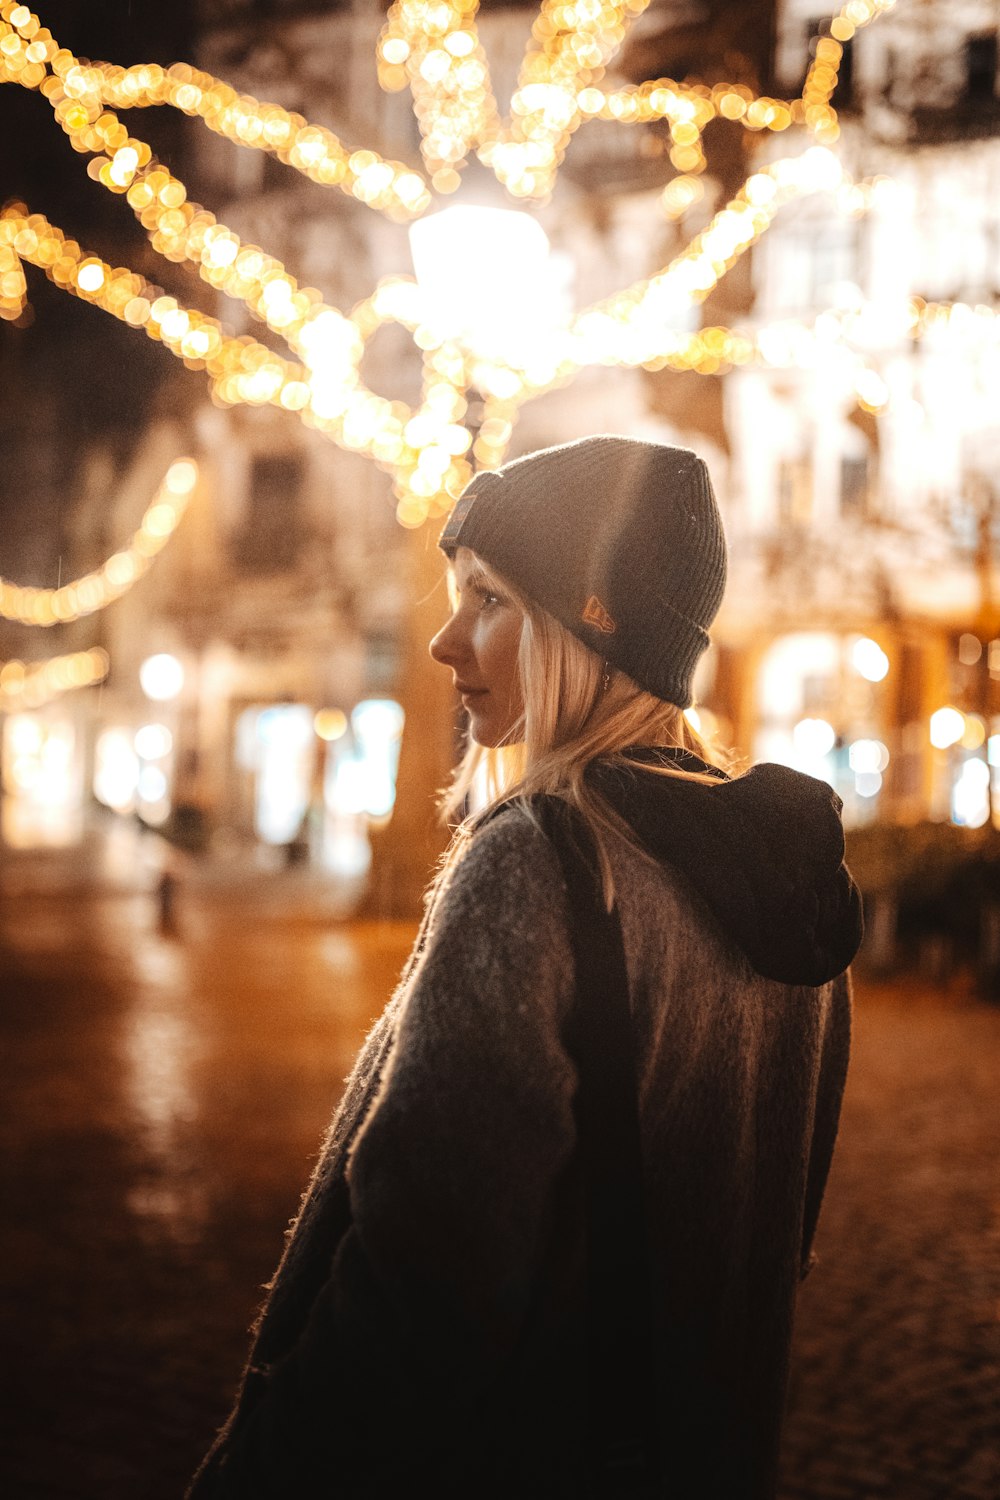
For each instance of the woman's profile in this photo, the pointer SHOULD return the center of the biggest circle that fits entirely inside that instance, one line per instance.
(552, 1243)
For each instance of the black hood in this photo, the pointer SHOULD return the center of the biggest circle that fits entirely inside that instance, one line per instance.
(764, 851)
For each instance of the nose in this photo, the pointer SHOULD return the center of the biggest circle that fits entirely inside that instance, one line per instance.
(445, 647)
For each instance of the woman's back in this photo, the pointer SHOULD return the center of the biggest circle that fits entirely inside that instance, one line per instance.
(740, 1082)
(467, 1201)
(431, 1325)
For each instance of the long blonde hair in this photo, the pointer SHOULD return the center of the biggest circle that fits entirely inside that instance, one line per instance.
(577, 709)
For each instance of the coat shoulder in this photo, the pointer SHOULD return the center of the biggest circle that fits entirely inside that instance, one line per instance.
(507, 866)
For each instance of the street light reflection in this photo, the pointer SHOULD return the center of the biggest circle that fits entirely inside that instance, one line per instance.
(159, 1046)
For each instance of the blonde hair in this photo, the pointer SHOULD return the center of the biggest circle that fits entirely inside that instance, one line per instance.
(577, 709)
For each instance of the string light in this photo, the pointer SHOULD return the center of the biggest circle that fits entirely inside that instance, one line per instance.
(571, 44)
(82, 96)
(29, 685)
(433, 47)
(96, 590)
(817, 111)
(13, 287)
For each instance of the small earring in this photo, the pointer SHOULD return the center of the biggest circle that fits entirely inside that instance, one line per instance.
(606, 678)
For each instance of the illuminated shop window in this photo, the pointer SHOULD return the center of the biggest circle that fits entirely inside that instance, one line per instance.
(40, 767)
(154, 745)
(818, 699)
(970, 793)
(116, 770)
(134, 770)
(966, 755)
(276, 744)
(360, 783)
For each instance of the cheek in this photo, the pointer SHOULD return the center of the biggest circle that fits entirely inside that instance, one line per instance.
(503, 654)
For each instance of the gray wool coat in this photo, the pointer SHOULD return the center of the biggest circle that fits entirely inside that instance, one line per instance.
(425, 1330)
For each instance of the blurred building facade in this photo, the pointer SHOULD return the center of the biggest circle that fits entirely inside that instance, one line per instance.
(864, 530)
(861, 531)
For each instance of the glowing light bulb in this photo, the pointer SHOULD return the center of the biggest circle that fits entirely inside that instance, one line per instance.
(90, 277)
(330, 723)
(813, 738)
(161, 677)
(946, 728)
(869, 660)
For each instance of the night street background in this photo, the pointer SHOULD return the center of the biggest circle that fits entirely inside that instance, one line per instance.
(787, 260)
(165, 1093)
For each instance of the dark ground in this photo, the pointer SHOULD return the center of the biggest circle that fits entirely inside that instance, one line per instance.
(164, 1093)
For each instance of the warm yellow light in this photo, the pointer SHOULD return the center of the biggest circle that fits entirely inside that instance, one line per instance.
(869, 659)
(872, 391)
(813, 738)
(868, 757)
(32, 684)
(330, 723)
(90, 277)
(160, 520)
(181, 477)
(161, 677)
(153, 741)
(970, 649)
(974, 733)
(96, 590)
(947, 727)
(436, 49)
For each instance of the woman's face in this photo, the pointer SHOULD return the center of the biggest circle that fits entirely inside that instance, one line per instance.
(480, 644)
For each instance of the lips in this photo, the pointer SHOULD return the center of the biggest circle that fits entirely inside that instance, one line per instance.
(469, 692)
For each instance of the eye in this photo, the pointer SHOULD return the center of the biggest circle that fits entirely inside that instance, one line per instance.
(486, 596)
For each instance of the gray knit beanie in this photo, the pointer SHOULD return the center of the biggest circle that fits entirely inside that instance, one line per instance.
(620, 539)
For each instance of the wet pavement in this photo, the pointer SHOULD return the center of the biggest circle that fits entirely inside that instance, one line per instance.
(163, 1097)
(896, 1382)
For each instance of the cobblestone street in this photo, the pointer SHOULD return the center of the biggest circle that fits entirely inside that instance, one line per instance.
(164, 1093)
(896, 1383)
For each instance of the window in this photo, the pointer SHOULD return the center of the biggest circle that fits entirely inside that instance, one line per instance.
(271, 535)
(834, 259)
(981, 65)
(807, 262)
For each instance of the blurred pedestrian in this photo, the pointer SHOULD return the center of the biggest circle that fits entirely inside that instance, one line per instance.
(552, 1245)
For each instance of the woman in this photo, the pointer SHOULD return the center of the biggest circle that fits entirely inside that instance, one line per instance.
(431, 1325)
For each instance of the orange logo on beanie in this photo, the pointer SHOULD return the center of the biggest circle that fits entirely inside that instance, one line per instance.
(594, 613)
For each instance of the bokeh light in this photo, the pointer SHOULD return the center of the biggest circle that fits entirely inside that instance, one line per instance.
(161, 677)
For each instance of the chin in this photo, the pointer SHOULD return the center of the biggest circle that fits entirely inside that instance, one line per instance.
(488, 736)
